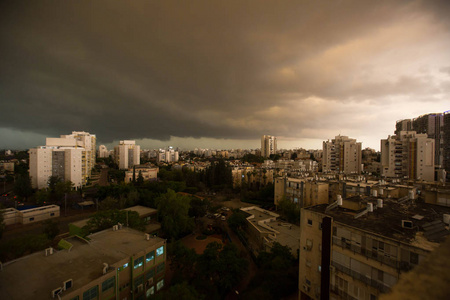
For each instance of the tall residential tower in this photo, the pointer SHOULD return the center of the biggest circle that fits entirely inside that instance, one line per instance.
(268, 145)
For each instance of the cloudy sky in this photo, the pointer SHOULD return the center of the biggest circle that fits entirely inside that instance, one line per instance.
(219, 74)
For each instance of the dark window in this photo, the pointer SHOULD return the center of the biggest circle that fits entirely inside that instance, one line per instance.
(414, 258)
(108, 283)
(160, 268)
(91, 293)
(309, 222)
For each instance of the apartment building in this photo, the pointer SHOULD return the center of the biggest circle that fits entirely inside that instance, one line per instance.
(127, 154)
(268, 145)
(303, 191)
(70, 157)
(356, 248)
(118, 263)
(147, 172)
(408, 155)
(342, 155)
(103, 151)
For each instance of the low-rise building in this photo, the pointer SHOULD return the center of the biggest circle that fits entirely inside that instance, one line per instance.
(264, 228)
(357, 248)
(36, 214)
(304, 192)
(113, 264)
(147, 172)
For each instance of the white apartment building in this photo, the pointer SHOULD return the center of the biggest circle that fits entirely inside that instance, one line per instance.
(268, 145)
(127, 154)
(343, 155)
(103, 151)
(70, 157)
(408, 154)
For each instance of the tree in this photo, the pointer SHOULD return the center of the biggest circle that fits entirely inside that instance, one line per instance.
(106, 219)
(183, 260)
(51, 229)
(198, 207)
(180, 291)
(173, 213)
(140, 179)
(289, 210)
(237, 220)
(22, 186)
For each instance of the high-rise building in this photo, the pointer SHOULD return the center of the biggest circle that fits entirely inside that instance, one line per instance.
(268, 145)
(70, 157)
(127, 154)
(434, 125)
(408, 155)
(343, 155)
(103, 151)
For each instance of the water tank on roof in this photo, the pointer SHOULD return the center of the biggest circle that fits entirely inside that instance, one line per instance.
(375, 193)
(380, 203)
(339, 200)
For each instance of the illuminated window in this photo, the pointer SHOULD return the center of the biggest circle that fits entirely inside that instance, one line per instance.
(160, 251)
(138, 262)
(125, 266)
(150, 291)
(149, 256)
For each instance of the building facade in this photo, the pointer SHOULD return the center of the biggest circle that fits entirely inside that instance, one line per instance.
(268, 145)
(408, 155)
(342, 155)
(127, 154)
(103, 151)
(357, 249)
(117, 263)
(168, 155)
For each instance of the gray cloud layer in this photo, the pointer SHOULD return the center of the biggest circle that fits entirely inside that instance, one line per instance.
(219, 69)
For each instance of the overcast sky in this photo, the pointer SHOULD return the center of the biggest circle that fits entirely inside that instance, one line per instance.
(219, 74)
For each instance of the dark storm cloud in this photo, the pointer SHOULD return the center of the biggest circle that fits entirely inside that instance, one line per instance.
(222, 69)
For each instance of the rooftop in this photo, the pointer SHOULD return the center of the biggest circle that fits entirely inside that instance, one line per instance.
(36, 275)
(386, 221)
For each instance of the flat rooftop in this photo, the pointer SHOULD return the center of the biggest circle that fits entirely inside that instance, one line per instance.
(289, 234)
(387, 221)
(142, 210)
(36, 275)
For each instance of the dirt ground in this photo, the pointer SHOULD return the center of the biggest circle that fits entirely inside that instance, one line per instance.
(199, 246)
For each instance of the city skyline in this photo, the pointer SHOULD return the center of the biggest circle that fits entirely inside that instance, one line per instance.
(220, 75)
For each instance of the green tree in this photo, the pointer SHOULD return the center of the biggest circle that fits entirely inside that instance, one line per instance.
(173, 213)
(237, 221)
(198, 207)
(106, 219)
(109, 203)
(289, 210)
(183, 260)
(22, 186)
(179, 291)
(51, 229)
(41, 197)
(140, 179)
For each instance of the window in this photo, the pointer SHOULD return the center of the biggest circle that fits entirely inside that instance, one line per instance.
(108, 283)
(149, 256)
(52, 214)
(307, 281)
(150, 291)
(150, 274)
(320, 225)
(160, 251)
(309, 222)
(414, 258)
(160, 268)
(160, 284)
(139, 262)
(125, 266)
(31, 219)
(139, 280)
(91, 293)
